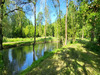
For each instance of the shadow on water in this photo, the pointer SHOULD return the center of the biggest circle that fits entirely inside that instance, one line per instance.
(19, 58)
(72, 61)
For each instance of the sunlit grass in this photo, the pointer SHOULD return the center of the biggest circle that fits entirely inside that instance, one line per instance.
(10, 42)
(81, 58)
(23, 39)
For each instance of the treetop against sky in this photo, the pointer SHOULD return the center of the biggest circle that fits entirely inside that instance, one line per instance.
(41, 6)
(28, 8)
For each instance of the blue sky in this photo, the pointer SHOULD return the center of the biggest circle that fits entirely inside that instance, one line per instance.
(40, 8)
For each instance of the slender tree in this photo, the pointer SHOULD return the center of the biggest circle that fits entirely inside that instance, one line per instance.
(40, 22)
(59, 25)
(45, 20)
(66, 23)
(34, 2)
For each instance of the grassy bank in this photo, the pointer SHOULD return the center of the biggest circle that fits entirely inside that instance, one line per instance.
(14, 42)
(81, 58)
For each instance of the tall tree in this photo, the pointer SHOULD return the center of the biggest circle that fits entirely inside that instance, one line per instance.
(58, 28)
(2, 14)
(1, 19)
(46, 19)
(40, 22)
(66, 23)
(34, 2)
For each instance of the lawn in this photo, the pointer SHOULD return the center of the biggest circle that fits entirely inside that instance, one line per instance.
(81, 58)
(13, 42)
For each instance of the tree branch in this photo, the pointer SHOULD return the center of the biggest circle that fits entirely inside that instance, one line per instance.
(2, 2)
(12, 11)
(24, 3)
(17, 8)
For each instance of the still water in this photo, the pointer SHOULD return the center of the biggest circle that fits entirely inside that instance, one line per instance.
(19, 58)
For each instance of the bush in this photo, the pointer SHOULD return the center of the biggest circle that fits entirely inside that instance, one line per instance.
(4, 39)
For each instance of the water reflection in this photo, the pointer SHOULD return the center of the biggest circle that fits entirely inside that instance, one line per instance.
(19, 58)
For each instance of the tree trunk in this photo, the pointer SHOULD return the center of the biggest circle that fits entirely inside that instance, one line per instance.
(21, 29)
(1, 35)
(61, 33)
(45, 21)
(82, 34)
(92, 35)
(45, 31)
(92, 32)
(34, 24)
(73, 37)
(66, 23)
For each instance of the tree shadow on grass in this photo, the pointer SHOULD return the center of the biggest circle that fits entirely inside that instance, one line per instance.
(71, 61)
(79, 62)
(90, 46)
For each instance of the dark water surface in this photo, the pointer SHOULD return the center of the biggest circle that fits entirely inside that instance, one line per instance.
(19, 58)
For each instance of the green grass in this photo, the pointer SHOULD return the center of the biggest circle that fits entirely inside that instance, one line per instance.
(13, 42)
(80, 58)
(16, 39)
(24, 39)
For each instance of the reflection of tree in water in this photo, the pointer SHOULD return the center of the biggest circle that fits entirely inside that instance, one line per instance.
(5, 59)
(28, 49)
(39, 50)
(9, 65)
(50, 46)
(19, 55)
(15, 59)
(13, 65)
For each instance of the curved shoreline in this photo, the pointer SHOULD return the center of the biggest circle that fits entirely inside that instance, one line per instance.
(23, 43)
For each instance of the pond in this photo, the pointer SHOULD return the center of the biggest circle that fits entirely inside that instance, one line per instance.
(19, 58)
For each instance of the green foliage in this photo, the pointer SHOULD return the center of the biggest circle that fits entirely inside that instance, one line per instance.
(28, 31)
(83, 21)
(14, 24)
(50, 30)
(1, 64)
